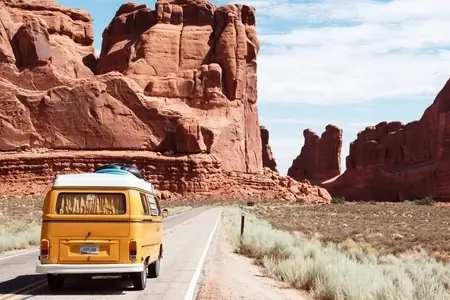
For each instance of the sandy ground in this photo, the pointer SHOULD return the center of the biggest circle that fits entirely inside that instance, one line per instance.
(229, 276)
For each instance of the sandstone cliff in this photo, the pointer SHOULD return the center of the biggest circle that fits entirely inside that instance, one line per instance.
(190, 84)
(268, 159)
(175, 87)
(393, 161)
(320, 157)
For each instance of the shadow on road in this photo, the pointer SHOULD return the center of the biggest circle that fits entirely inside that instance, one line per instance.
(33, 285)
(12, 286)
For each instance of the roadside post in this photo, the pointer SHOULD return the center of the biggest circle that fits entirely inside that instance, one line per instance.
(242, 224)
(249, 203)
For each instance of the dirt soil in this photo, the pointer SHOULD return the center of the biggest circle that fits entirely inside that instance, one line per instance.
(230, 276)
(391, 228)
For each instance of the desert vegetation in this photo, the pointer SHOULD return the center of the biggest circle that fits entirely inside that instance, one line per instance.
(20, 222)
(349, 251)
(382, 228)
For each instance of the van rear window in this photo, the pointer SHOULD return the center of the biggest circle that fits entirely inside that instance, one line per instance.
(91, 204)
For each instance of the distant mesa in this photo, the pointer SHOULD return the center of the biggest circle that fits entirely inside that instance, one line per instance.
(267, 155)
(320, 157)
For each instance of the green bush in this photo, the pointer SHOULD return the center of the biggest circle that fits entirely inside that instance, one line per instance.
(424, 201)
(338, 200)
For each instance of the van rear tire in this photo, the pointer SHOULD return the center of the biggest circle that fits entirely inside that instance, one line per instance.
(55, 282)
(140, 279)
(153, 268)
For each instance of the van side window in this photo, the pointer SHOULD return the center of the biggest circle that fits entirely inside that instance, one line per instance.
(158, 204)
(145, 204)
(153, 206)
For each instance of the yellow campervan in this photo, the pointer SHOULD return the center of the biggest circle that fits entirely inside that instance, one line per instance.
(96, 224)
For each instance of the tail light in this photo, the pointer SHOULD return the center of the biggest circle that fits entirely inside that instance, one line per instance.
(45, 249)
(133, 250)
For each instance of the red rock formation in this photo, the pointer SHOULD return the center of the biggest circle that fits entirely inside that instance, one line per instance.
(32, 173)
(394, 162)
(190, 84)
(267, 156)
(179, 80)
(320, 157)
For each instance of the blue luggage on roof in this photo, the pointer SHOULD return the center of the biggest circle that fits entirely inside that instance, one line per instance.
(114, 171)
(119, 169)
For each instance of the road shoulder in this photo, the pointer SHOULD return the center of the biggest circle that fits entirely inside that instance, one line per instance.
(230, 276)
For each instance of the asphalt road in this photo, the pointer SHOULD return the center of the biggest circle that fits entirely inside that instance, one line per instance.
(186, 242)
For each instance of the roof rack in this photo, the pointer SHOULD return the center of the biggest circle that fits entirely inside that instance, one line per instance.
(103, 180)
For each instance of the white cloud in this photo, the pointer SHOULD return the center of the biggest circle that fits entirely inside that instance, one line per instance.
(361, 125)
(386, 50)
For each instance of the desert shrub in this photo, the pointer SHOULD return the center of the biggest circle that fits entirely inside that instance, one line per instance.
(337, 272)
(338, 200)
(424, 201)
(18, 234)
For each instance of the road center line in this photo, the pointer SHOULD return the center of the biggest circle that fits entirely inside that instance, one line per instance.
(191, 289)
(35, 288)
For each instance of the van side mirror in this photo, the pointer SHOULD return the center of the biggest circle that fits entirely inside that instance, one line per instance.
(164, 212)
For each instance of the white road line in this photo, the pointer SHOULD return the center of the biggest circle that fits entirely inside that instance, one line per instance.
(191, 289)
(19, 254)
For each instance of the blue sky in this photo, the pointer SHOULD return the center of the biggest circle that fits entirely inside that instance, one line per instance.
(351, 63)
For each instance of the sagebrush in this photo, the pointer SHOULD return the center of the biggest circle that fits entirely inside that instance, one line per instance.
(18, 234)
(332, 272)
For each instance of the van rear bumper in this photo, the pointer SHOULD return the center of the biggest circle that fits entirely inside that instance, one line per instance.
(88, 268)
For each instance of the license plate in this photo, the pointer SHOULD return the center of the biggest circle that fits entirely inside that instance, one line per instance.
(91, 249)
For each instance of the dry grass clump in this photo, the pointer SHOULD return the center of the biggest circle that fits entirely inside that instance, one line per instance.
(331, 272)
(20, 222)
(18, 234)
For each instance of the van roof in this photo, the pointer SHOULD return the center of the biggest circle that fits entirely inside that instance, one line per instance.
(102, 180)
